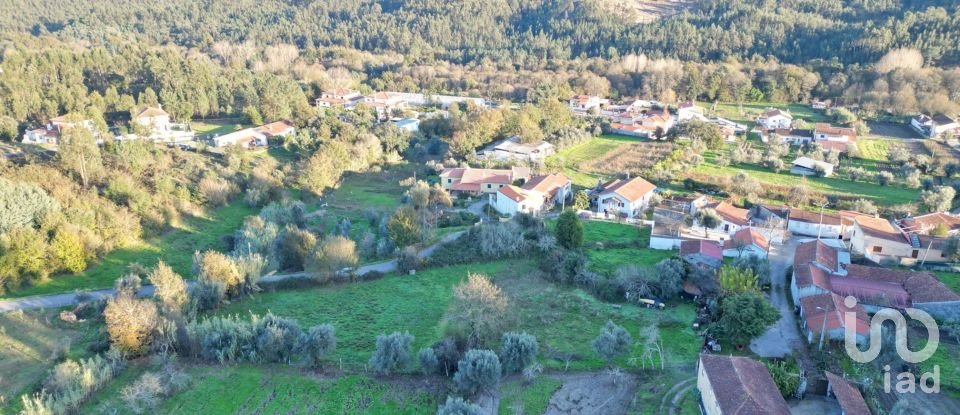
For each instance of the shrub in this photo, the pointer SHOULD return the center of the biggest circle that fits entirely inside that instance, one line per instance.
(330, 256)
(614, 341)
(569, 230)
(316, 344)
(428, 361)
(498, 240)
(170, 288)
(276, 338)
(293, 246)
(70, 384)
(392, 354)
(479, 371)
(218, 268)
(207, 295)
(408, 259)
(457, 406)
(479, 308)
(131, 323)
(144, 394)
(518, 350)
(448, 354)
(222, 339)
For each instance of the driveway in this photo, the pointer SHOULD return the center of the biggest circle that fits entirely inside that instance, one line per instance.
(69, 299)
(784, 337)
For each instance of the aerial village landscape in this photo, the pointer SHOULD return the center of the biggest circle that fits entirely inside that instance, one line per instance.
(205, 225)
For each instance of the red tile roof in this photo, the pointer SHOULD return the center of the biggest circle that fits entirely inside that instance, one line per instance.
(747, 236)
(152, 112)
(826, 128)
(879, 293)
(923, 287)
(514, 193)
(274, 128)
(925, 223)
(851, 401)
(732, 214)
(631, 190)
(812, 275)
(816, 252)
(801, 215)
(548, 184)
(706, 248)
(828, 310)
(743, 386)
(880, 228)
(453, 173)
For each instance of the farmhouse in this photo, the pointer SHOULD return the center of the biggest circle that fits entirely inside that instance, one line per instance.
(383, 103)
(792, 136)
(848, 396)
(746, 242)
(732, 218)
(825, 225)
(470, 181)
(157, 121)
(882, 287)
(825, 312)
(737, 385)
(702, 252)
(536, 195)
(587, 104)
(689, 110)
(813, 263)
(50, 134)
(627, 198)
(773, 119)
(513, 149)
(340, 97)
(881, 241)
(255, 137)
(826, 132)
(806, 166)
(931, 127)
(923, 224)
(651, 124)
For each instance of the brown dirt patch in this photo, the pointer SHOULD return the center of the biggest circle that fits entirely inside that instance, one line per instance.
(593, 393)
(633, 158)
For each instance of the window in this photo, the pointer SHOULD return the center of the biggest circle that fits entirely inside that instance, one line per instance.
(915, 254)
(877, 249)
(489, 186)
(449, 180)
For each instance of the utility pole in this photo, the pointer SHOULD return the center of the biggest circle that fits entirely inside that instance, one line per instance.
(823, 328)
(820, 227)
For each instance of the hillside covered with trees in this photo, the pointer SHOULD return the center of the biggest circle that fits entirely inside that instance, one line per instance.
(523, 32)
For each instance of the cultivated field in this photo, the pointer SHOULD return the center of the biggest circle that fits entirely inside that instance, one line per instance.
(633, 158)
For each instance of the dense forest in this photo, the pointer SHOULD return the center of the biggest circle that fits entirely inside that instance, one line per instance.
(522, 32)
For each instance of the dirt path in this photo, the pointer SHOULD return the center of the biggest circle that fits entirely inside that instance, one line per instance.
(675, 395)
(593, 393)
(68, 299)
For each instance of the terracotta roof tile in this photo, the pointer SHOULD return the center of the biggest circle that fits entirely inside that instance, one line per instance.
(747, 236)
(817, 252)
(851, 401)
(707, 248)
(632, 190)
(732, 214)
(743, 386)
(923, 287)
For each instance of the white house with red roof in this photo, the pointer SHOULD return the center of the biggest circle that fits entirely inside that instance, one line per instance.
(824, 314)
(340, 97)
(746, 242)
(257, 136)
(736, 385)
(774, 118)
(732, 218)
(161, 128)
(689, 110)
(626, 198)
(537, 194)
(50, 133)
(471, 181)
(585, 104)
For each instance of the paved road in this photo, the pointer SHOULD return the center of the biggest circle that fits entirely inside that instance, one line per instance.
(784, 337)
(68, 299)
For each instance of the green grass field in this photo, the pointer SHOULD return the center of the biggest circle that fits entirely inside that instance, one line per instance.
(175, 247)
(875, 150)
(564, 320)
(28, 344)
(275, 389)
(751, 110)
(881, 195)
(531, 398)
(607, 261)
(218, 127)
